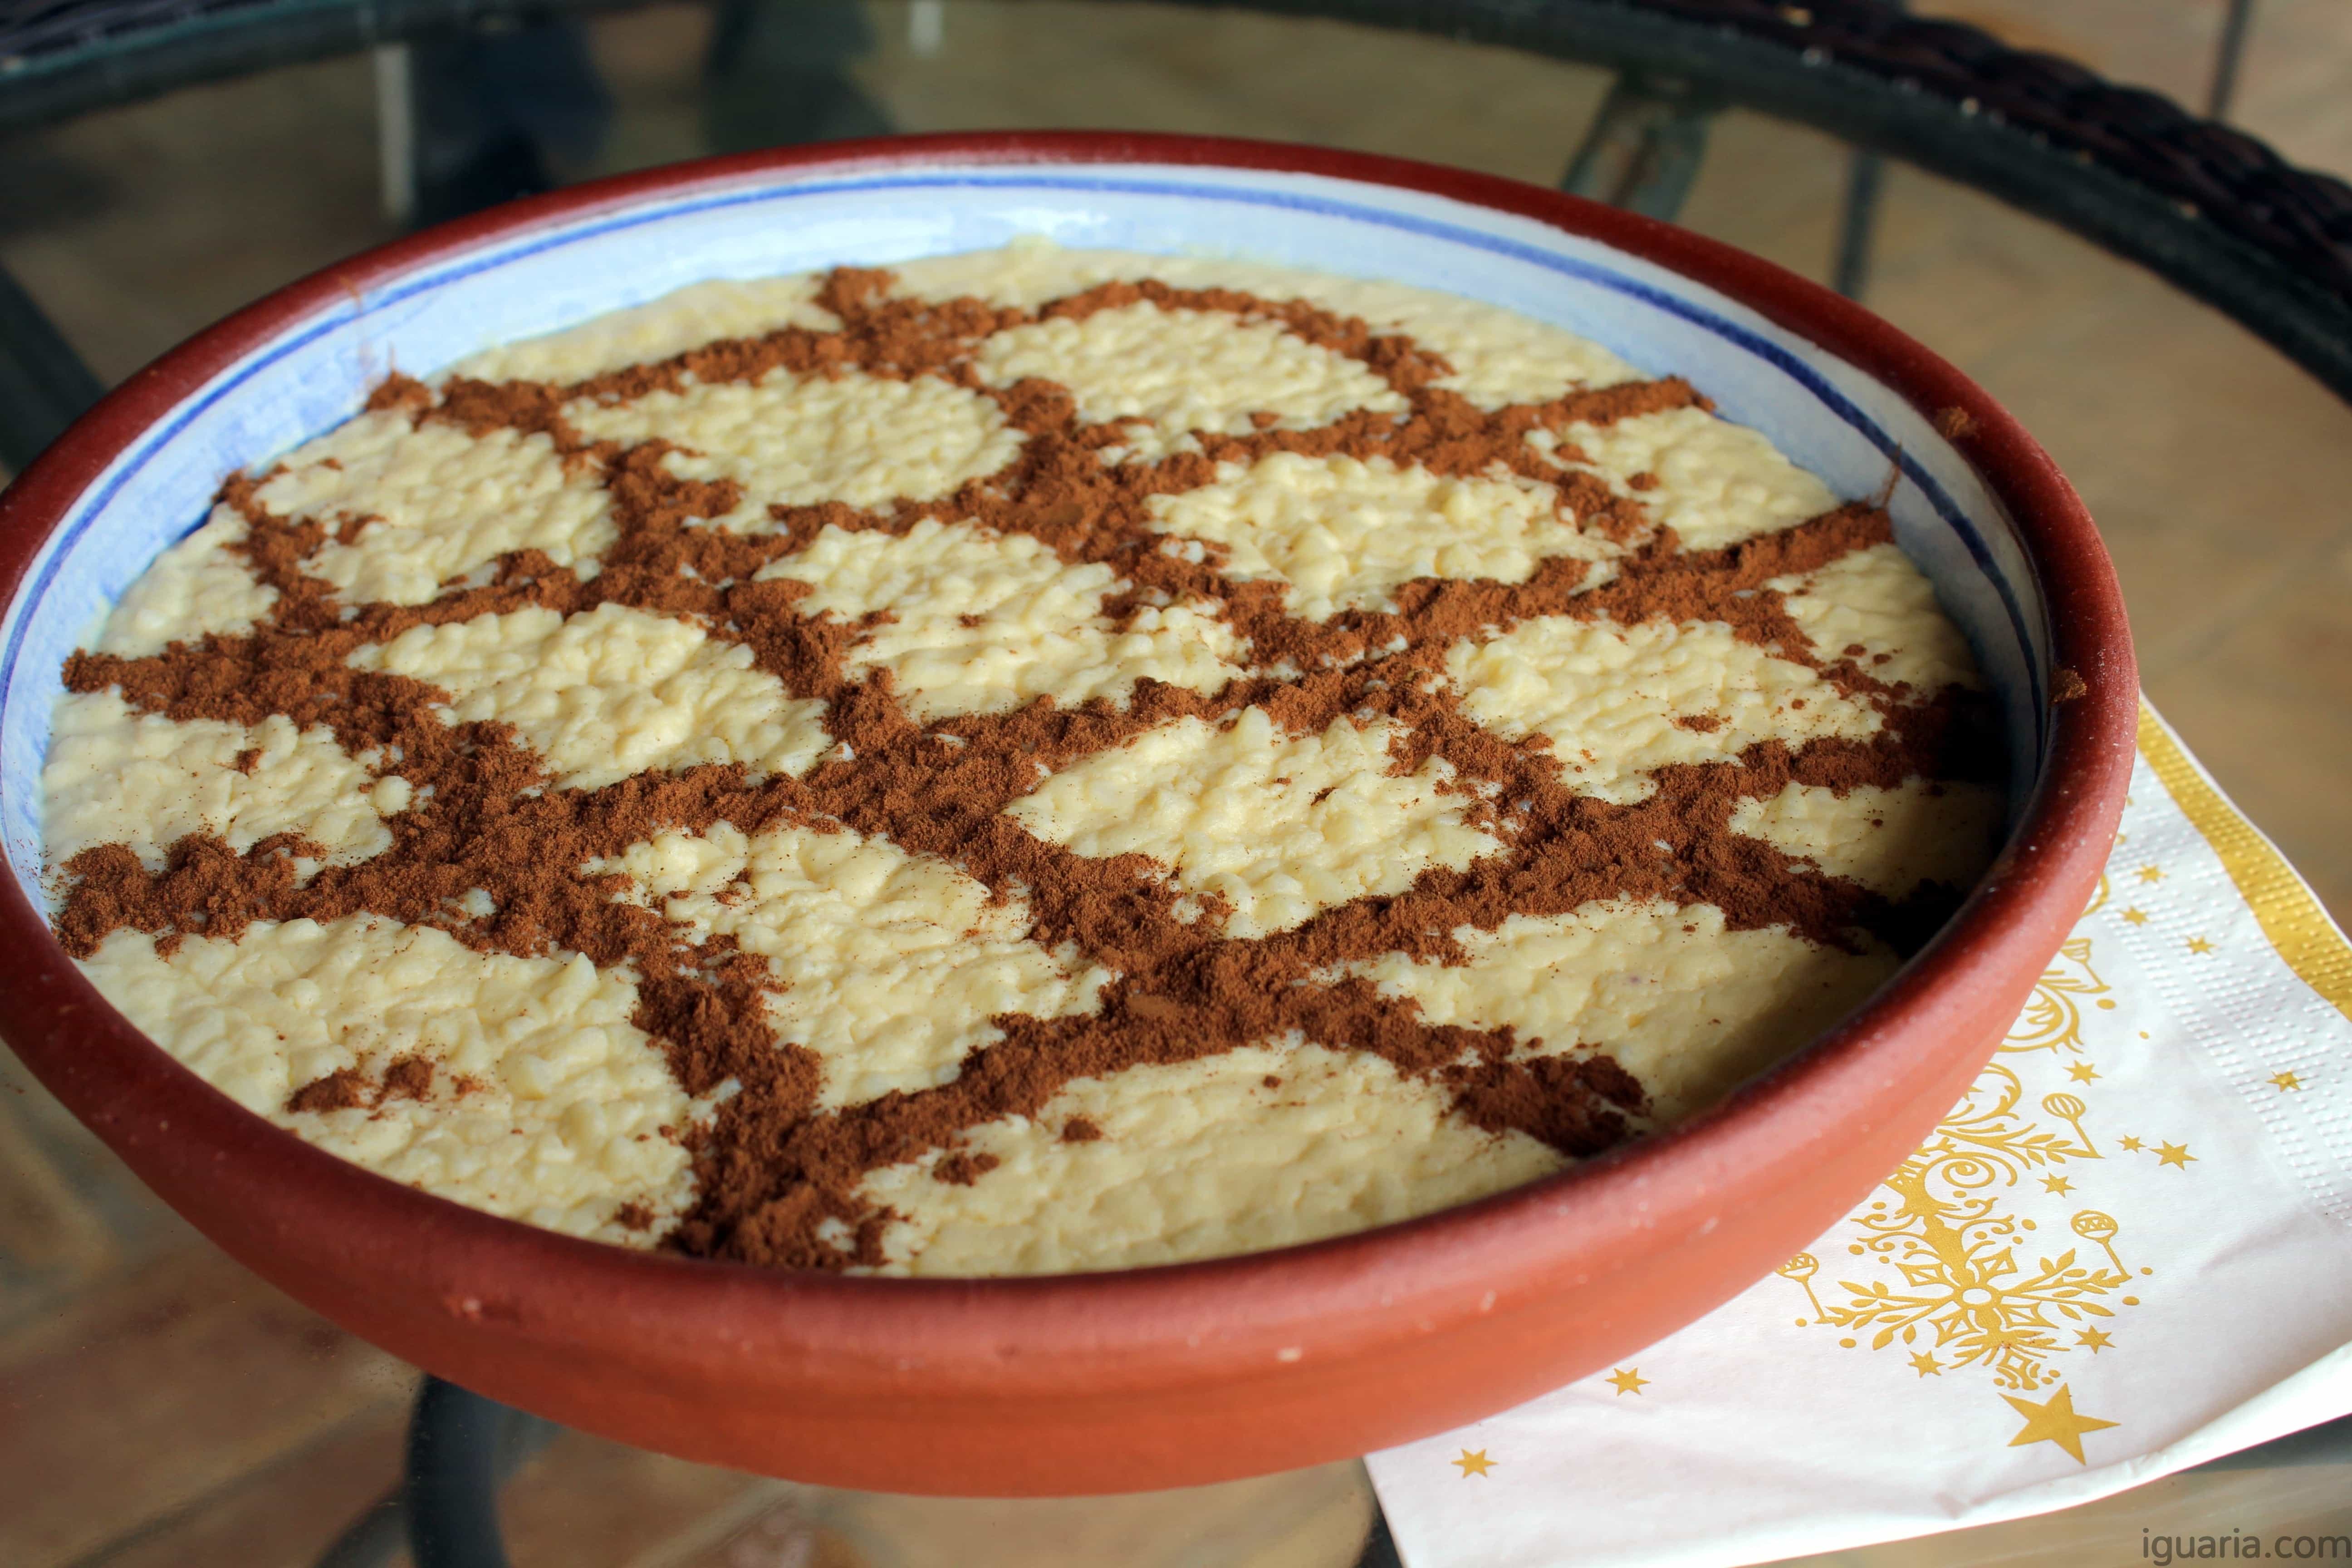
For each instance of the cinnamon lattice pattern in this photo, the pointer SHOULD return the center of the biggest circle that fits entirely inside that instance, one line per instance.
(511, 848)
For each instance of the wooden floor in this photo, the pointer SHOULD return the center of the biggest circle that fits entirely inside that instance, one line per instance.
(161, 1408)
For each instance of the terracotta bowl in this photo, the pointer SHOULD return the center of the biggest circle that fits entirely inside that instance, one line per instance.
(1152, 1377)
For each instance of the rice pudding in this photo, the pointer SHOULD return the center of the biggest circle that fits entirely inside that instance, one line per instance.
(1034, 761)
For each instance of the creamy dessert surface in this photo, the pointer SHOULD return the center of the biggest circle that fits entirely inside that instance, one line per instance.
(1037, 761)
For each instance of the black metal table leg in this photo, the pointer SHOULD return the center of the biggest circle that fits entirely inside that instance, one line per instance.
(2236, 23)
(778, 73)
(1379, 1547)
(1857, 223)
(492, 111)
(453, 1480)
(1644, 147)
(461, 1450)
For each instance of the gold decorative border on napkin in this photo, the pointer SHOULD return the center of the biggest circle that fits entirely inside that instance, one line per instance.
(2289, 915)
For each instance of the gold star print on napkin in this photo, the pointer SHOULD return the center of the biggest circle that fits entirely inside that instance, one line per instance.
(2123, 1253)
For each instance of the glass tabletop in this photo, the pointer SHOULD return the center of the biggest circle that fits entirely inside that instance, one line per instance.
(583, 1500)
(187, 1415)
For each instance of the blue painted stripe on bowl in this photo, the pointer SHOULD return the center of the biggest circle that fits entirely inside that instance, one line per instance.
(432, 279)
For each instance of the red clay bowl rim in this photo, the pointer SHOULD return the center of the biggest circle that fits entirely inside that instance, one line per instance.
(1031, 1335)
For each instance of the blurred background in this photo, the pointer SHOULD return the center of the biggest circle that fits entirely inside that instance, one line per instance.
(160, 1409)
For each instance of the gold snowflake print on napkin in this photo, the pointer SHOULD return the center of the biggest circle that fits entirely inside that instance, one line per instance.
(1979, 1254)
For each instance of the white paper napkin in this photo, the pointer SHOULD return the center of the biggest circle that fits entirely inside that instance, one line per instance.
(2125, 1253)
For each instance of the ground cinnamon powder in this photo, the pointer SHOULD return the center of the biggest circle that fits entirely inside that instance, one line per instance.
(772, 1169)
(408, 1077)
